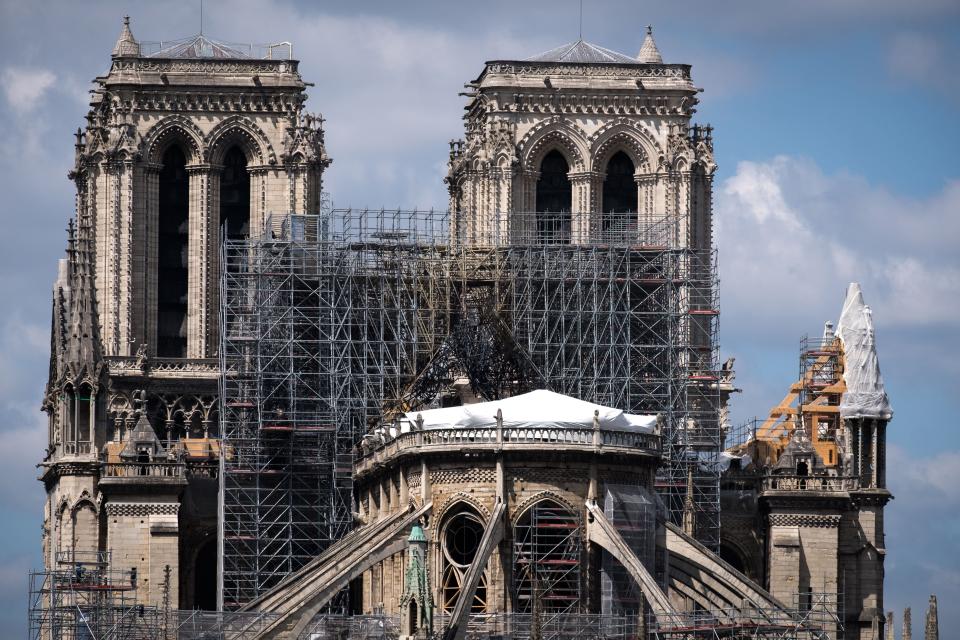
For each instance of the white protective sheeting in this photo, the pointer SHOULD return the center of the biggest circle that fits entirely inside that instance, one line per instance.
(723, 462)
(537, 408)
(865, 396)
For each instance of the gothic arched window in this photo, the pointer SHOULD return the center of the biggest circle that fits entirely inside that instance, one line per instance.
(235, 195)
(554, 200)
(460, 542)
(172, 255)
(619, 197)
(547, 549)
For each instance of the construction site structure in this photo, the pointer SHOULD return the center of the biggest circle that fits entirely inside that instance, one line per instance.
(806, 487)
(576, 256)
(336, 322)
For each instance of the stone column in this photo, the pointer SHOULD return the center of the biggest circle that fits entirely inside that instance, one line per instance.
(258, 206)
(404, 490)
(201, 234)
(523, 224)
(680, 206)
(151, 241)
(502, 202)
(646, 206)
(586, 223)
(125, 260)
(92, 421)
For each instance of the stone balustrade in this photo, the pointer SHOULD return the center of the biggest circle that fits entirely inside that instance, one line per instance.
(810, 483)
(142, 470)
(507, 437)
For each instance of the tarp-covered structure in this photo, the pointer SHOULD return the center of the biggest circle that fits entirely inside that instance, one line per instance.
(537, 408)
(865, 396)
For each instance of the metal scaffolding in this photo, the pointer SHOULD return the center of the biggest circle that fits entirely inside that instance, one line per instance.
(81, 597)
(812, 616)
(334, 322)
(547, 550)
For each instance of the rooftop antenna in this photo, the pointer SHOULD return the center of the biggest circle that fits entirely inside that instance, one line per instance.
(201, 17)
(580, 35)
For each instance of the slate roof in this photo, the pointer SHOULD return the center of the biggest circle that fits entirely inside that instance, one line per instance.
(199, 46)
(582, 51)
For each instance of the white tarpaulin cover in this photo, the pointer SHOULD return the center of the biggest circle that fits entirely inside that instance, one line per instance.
(537, 408)
(865, 396)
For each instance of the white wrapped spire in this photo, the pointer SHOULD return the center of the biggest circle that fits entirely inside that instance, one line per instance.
(866, 396)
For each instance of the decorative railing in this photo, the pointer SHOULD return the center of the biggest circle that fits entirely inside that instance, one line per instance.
(507, 437)
(76, 448)
(131, 364)
(202, 470)
(810, 483)
(142, 470)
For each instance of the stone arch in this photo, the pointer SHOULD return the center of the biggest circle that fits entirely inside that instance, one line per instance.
(620, 135)
(547, 540)
(554, 134)
(85, 524)
(459, 531)
(239, 131)
(458, 499)
(540, 496)
(64, 530)
(175, 129)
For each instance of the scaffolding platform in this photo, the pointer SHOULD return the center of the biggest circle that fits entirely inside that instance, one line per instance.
(351, 317)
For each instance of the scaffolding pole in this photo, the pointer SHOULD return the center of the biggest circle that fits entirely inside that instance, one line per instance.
(333, 322)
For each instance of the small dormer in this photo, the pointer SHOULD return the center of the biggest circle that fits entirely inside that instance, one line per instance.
(799, 458)
(143, 444)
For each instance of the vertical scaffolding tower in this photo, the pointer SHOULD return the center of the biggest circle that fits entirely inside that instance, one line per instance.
(81, 598)
(332, 322)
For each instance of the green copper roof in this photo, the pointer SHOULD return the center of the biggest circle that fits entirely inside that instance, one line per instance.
(416, 534)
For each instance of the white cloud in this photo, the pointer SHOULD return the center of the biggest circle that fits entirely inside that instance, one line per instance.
(24, 88)
(792, 237)
(923, 59)
(934, 480)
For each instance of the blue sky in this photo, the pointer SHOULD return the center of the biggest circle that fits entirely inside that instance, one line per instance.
(836, 134)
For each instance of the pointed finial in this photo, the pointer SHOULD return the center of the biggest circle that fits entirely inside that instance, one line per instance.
(648, 50)
(126, 44)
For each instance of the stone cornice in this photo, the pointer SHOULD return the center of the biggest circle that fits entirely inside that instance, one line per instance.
(59, 468)
(283, 68)
(603, 70)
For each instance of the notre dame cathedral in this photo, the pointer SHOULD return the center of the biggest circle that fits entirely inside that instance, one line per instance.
(546, 455)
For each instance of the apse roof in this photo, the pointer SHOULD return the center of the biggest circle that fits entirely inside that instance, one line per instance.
(582, 51)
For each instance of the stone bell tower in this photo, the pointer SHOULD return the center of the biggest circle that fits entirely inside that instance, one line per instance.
(582, 144)
(186, 143)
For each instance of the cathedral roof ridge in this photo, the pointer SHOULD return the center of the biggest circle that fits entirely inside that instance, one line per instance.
(202, 47)
(581, 51)
(197, 46)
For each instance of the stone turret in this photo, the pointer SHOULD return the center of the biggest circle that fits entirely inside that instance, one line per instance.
(649, 54)
(127, 45)
(416, 603)
(907, 633)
